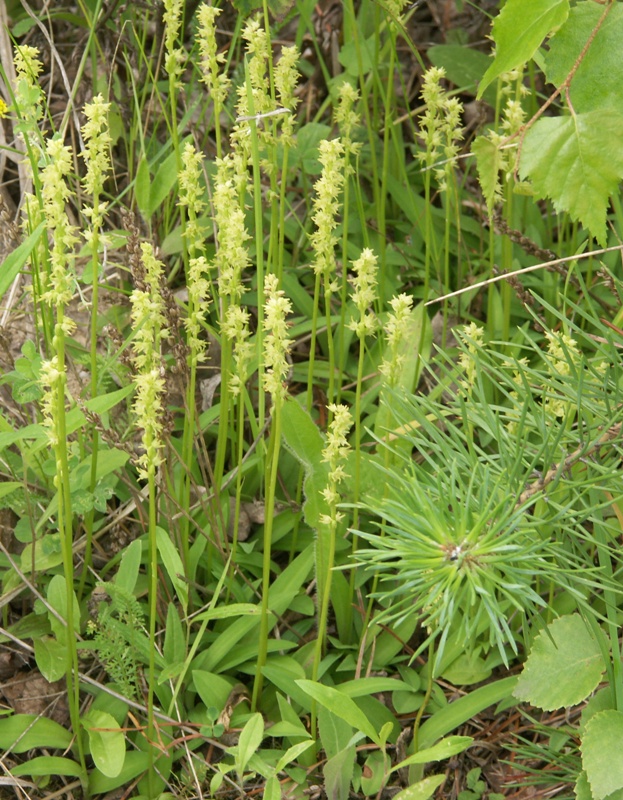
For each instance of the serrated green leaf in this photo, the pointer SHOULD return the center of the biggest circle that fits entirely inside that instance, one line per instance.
(106, 740)
(564, 666)
(577, 162)
(341, 705)
(601, 753)
(519, 30)
(598, 77)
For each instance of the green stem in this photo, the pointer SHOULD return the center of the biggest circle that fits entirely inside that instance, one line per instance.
(272, 465)
(153, 608)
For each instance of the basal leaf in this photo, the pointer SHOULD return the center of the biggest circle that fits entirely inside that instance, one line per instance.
(250, 739)
(16, 260)
(51, 657)
(23, 732)
(564, 666)
(601, 753)
(107, 742)
(335, 733)
(577, 162)
(518, 31)
(458, 712)
(598, 79)
(421, 790)
(48, 765)
(338, 774)
(446, 748)
(173, 564)
(341, 705)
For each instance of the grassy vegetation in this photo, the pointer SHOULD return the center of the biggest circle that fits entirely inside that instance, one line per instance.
(294, 479)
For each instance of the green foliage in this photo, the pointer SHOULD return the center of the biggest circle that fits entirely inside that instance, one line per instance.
(163, 528)
(119, 636)
(564, 666)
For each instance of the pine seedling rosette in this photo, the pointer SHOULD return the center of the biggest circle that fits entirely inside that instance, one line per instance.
(455, 553)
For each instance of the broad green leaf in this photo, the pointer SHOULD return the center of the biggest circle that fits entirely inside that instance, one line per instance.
(51, 657)
(272, 789)
(212, 689)
(519, 30)
(421, 790)
(173, 564)
(340, 704)
(162, 185)
(174, 647)
(598, 79)
(106, 740)
(601, 753)
(127, 574)
(23, 732)
(16, 259)
(458, 712)
(142, 183)
(577, 162)
(7, 487)
(48, 765)
(292, 753)
(135, 763)
(375, 770)
(57, 598)
(564, 666)
(302, 437)
(446, 748)
(464, 66)
(335, 733)
(104, 402)
(283, 672)
(338, 774)
(250, 739)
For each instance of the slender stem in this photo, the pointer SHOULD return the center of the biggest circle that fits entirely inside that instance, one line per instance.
(272, 465)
